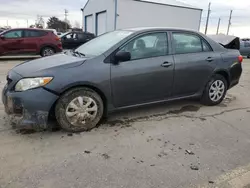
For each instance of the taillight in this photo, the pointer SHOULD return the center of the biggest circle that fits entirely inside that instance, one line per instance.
(240, 58)
(57, 38)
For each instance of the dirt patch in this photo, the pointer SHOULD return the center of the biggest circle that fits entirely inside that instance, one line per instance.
(26, 131)
(188, 108)
(125, 122)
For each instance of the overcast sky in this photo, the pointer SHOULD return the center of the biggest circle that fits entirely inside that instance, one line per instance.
(18, 12)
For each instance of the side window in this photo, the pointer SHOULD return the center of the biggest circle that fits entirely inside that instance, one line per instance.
(82, 36)
(33, 33)
(206, 47)
(187, 43)
(247, 44)
(13, 34)
(146, 46)
(71, 36)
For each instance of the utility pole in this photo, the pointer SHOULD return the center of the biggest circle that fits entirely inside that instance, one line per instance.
(83, 22)
(115, 21)
(27, 23)
(218, 27)
(229, 22)
(66, 20)
(208, 15)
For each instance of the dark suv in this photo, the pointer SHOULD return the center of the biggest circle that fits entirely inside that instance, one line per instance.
(29, 41)
(74, 39)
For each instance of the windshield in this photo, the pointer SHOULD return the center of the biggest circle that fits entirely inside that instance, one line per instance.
(64, 34)
(101, 44)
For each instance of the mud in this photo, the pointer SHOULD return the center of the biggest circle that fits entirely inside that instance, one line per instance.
(126, 122)
(189, 108)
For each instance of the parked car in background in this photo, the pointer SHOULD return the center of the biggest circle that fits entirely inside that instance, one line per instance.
(52, 30)
(117, 70)
(245, 48)
(74, 39)
(29, 41)
(59, 34)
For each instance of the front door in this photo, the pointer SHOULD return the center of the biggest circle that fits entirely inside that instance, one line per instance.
(194, 63)
(148, 76)
(70, 41)
(12, 43)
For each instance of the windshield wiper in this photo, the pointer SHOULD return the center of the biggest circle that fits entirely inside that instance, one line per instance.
(79, 53)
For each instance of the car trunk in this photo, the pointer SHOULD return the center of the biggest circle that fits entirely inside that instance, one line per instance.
(227, 41)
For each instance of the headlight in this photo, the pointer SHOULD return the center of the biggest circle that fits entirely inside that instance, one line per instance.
(31, 83)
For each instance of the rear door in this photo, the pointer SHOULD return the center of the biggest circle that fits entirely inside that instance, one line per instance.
(13, 42)
(148, 76)
(83, 38)
(195, 62)
(32, 39)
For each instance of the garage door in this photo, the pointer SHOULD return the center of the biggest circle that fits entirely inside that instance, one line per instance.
(89, 24)
(101, 23)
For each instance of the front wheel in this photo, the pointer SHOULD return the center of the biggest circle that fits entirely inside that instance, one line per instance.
(215, 91)
(79, 109)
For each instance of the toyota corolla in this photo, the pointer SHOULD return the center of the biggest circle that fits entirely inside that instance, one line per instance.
(118, 70)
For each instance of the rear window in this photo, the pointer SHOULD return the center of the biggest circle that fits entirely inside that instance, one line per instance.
(189, 43)
(34, 33)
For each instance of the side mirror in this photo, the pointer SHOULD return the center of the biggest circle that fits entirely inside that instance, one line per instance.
(122, 56)
(2, 37)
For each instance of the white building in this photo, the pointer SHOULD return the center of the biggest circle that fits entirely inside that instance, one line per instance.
(99, 15)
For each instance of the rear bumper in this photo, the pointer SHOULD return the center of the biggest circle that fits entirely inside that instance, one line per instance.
(29, 109)
(58, 48)
(235, 74)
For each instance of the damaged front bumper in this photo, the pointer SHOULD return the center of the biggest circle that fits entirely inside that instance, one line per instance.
(29, 109)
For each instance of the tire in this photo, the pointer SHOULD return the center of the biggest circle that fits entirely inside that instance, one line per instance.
(208, 98)
(47, 51)
(87, 120)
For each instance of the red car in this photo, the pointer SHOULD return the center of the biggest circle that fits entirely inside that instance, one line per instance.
(29, 41)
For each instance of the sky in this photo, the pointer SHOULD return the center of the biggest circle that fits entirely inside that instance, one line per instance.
(20, 13)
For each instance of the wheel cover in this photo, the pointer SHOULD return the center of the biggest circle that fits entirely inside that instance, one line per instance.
(216, 90)
(48, 52)
(81, 110)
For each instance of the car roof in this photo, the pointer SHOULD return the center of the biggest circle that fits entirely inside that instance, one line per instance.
(38, 29)
(142, 29)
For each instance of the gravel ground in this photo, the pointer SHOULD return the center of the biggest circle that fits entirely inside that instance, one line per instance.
(178, 144)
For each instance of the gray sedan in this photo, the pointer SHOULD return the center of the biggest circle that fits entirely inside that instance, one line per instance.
(118, 70)
(245, 48)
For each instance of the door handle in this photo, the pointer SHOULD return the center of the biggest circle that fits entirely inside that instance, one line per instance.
(166, 64)
(209, 59)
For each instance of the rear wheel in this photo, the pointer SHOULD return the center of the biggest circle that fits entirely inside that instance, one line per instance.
(47, 51)
(215, 90)
(79, 109)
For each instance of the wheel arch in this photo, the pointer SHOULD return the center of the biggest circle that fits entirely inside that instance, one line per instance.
(225, 74)
(81, 85)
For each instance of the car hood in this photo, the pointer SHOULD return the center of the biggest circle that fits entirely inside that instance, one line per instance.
(30, 68)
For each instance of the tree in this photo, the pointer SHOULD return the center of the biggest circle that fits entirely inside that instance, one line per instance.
(59, 25)
(39, 22)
